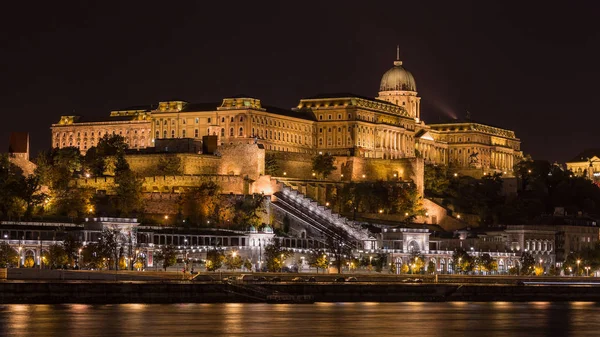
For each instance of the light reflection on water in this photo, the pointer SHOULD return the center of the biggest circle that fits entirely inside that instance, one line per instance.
(321, 319)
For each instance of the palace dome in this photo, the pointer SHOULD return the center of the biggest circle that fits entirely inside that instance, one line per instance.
(397, 79)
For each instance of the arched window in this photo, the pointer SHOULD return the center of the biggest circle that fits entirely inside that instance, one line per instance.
(231, 132)
(165, 134)
(222, 132)
(241, 133)
(172, 133)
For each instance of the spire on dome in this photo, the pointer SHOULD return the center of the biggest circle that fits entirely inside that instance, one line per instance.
(397, 62)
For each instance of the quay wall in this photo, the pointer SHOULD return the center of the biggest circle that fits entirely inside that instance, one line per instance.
(216, 292)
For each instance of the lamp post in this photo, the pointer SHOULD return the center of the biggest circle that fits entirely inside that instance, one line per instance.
(578, 262)
(19, 257)
(459, 259)
(282, 263)
(79, 258)
(587, 270)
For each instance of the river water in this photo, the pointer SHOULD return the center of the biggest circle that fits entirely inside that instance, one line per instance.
(320, 319)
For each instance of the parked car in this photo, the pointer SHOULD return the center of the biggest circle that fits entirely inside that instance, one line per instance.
(312, 279)
(245, 278)
(340, 279)
(261, 279)
(298, 279)
(351, 279)
(276, 279)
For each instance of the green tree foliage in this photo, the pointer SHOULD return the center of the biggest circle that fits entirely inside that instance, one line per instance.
(19, 195)
(199, 204)
(91, 256)
(250, 210)
(128, 197)
(56, 169)
(436, 180)
(247, 264)
(431, 267)
(319, 260)
(169, 165)
(527, 263)
(71, 245)
(108, 247)
(214, 259)
(464, 263)
(56, 257)
(167, 257)
(271, 165)
(587, 257)
(8, 256)
(487, 263)
(275, 256)
(322, 165)
(388, 196)
(233, 261)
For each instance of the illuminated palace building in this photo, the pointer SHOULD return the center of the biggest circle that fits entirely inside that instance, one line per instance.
(388, 127)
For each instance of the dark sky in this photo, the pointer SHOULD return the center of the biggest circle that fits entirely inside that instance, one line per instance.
(532, 68)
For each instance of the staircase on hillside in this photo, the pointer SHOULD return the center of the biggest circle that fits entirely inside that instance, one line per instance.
(320, 217)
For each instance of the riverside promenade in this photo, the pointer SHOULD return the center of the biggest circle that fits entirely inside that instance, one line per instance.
(126, 287)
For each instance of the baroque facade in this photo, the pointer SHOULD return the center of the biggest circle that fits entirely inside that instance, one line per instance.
(387, 127)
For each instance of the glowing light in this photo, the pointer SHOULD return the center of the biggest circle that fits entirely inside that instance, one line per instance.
(166, 217)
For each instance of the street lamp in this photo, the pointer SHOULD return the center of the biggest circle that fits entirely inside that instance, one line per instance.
(578, 262)
(79, 258)
(587, 270)
(282, 263)
(459, 259)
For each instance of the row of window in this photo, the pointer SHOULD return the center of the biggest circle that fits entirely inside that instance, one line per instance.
(196, 120)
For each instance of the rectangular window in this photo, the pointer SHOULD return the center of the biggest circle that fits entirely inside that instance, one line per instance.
(208, 120)
(197, 120)
(196, 133)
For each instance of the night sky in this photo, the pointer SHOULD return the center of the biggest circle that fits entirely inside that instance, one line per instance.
(530, 68)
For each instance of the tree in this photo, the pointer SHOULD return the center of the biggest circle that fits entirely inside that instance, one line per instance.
(322, 164)
(393, 268)
(128, 197)
(8, 256)
(248, 264)
(29, 262)
(436, 180)
(275, 256)
(431, 267)
(169, 165)
(488, 264)
(404, 269)
(271, 165)
(462, 260)
(527, 263)
(214, 260)
(56, 256)
(318, 259)
(108, 247)
(233, 261)
(199, 203)
(71, 246)
(91, 256)
(167, 256)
